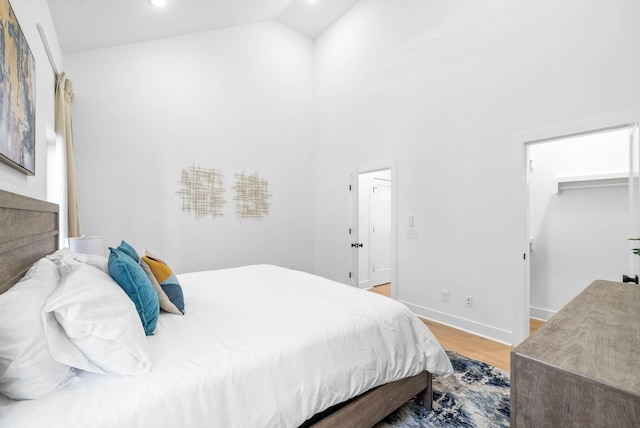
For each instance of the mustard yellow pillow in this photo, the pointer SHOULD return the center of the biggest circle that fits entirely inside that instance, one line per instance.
(165, 282)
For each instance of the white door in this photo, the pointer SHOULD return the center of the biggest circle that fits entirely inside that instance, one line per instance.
(352, 244)
(634, 203)
(380, 232)
(364, 229)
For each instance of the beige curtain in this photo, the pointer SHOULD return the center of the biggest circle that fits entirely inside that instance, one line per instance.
(64, 128)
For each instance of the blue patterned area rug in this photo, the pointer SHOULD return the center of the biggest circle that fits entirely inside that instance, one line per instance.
(476, 395)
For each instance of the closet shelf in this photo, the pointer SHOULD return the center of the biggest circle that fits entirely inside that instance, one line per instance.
(607, 179)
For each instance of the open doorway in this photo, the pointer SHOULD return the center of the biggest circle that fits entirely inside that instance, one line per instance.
(372, 229)
(579, 215)
(525, 248)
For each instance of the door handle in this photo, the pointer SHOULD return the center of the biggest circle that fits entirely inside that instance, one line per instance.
(356, 245)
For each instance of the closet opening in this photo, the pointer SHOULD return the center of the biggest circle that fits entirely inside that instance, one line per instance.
(581, 207)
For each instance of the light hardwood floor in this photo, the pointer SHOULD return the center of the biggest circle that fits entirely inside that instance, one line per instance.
(384, 289)
(472, 346)
(467, 344)
(535, 324)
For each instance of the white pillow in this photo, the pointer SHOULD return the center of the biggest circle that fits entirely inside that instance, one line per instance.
(27, 369)
(91, 324)
(65, 258)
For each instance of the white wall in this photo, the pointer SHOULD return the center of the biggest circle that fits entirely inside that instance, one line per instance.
(237, 99)
(29, 13)
(442, 87)
(578, 235)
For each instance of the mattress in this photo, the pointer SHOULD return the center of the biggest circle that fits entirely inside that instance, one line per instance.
(258, 346)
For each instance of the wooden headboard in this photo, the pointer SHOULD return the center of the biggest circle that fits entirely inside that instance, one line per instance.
(28, 231)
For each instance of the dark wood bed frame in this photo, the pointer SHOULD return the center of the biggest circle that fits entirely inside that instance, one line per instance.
(29, 231)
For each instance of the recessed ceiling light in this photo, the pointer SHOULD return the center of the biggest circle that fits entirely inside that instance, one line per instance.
(158, 3)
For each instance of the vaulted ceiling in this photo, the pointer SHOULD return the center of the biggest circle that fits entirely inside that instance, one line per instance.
(92, 24)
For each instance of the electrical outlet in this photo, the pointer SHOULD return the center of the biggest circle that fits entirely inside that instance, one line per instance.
(412, 233)
(445, 296)
(469, 301)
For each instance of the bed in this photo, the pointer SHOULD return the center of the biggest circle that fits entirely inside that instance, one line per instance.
(258, 346)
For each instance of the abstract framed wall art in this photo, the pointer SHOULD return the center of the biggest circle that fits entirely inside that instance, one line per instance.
(251, 197)
(202, 191)
(17, 95)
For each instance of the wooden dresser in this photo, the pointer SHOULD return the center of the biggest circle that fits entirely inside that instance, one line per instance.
(582, 368)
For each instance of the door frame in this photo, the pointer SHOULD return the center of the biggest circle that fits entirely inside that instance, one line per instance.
(353, 217)
(520, 254)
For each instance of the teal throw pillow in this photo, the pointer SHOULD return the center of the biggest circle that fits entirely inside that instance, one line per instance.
(134, 281)
(126, 248)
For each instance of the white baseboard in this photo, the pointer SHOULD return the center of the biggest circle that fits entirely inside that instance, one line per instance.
(483, 330)
(540, 313)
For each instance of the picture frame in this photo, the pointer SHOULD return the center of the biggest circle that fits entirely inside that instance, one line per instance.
(17, 95)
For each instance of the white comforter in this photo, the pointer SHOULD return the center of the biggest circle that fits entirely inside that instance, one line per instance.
(259, 346)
